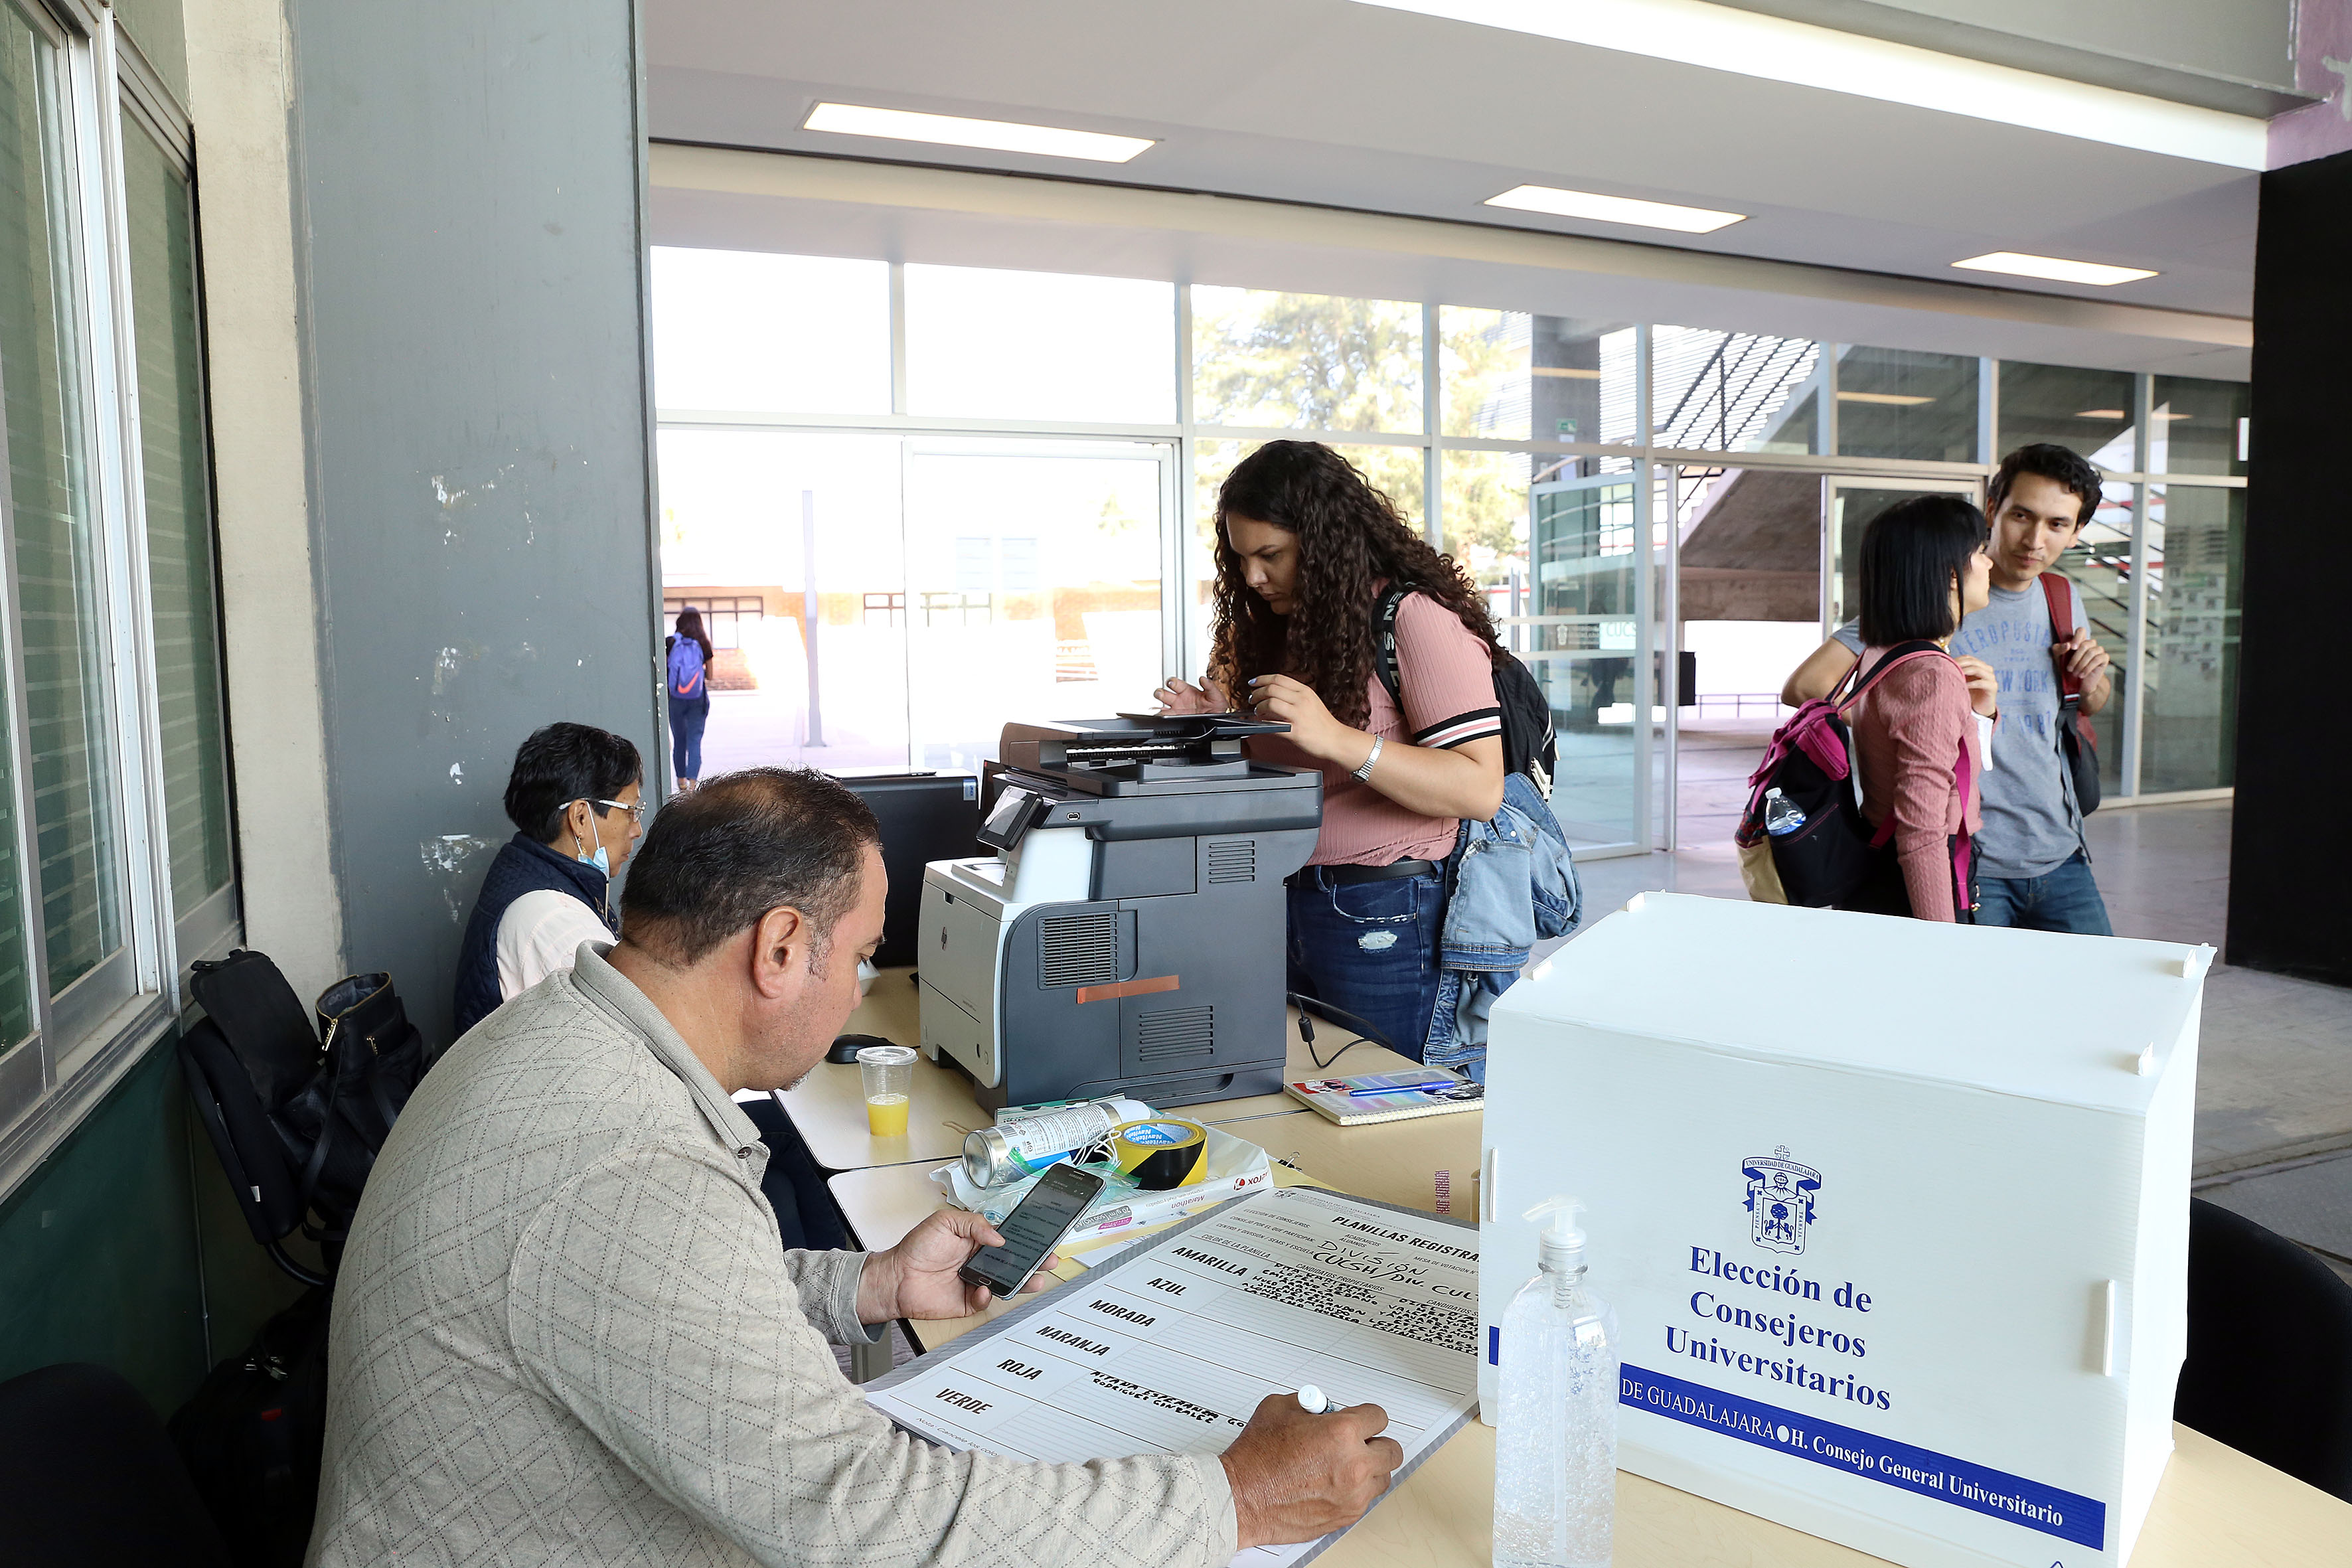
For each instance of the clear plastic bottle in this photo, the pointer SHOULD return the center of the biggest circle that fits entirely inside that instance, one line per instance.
(1781, 814)
(1556, 1443)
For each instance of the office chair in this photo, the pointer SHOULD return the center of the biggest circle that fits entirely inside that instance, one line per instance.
(91, 1480)
(2268, 1370)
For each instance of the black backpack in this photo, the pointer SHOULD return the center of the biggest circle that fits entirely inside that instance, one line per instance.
(1821, 852)
(252, 1433)
(297, 1111)
(1529, 746)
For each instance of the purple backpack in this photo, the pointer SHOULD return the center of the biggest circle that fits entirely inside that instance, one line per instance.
(686, 669)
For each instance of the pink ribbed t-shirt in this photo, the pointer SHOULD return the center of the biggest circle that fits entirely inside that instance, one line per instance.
(1449, 700)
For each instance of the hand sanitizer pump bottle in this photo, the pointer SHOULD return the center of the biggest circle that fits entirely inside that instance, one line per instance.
(1556, 1443)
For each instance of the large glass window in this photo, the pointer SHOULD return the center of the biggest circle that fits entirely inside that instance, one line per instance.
(1509, 376)
(1033, 575)
(2189, 710)
(2088, 410)
(1582, 549)
(62, 638)
(746, 332)
(43, 466)
(1895, 402)
(116, 851)
(1305, 361)
(990, 537)
(1734, 391)
(179, 541)
(987, 345)
(757, 518)
(2200, 427)
(2099, 564)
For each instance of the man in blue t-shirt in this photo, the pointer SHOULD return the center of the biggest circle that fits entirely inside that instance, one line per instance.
(2033, 868)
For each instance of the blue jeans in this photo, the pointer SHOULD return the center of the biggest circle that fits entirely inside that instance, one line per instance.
(1369, 948)
(2064, 900)
(686, 722)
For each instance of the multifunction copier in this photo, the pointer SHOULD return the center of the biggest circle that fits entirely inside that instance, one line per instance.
(1128, 936)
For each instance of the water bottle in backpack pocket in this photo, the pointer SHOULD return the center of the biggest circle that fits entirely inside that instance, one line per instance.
(1803, 839)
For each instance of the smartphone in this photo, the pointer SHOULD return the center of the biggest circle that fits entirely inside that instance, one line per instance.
(1031, 1231)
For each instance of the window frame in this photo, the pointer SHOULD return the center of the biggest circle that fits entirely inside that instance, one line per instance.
(88, 1034)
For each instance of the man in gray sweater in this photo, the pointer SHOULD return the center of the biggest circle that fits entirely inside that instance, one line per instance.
(565, 1330)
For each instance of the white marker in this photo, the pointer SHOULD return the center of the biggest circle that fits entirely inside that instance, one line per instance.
(1311, 1400)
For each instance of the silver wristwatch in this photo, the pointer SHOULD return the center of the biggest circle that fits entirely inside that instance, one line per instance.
(1365, 772)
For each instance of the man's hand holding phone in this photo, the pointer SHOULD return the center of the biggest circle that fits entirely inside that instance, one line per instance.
(918, 1277)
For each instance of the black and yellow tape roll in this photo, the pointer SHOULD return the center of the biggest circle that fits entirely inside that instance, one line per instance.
(1163, 1153)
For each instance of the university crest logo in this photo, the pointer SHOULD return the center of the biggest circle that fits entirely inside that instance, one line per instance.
(1779, 1200)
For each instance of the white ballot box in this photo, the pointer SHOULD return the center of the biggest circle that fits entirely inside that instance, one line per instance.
(1895, 1214)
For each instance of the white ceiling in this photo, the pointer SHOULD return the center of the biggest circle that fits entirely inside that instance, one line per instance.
(1331, 102)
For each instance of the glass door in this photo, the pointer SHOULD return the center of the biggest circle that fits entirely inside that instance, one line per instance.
(1848, 506)
(1036, 586)
(1588, 638)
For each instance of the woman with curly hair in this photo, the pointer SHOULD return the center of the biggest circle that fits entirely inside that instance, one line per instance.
(1305, 549)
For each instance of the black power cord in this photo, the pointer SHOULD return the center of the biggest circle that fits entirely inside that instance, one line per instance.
(1372, 1034)
(1307, 1034)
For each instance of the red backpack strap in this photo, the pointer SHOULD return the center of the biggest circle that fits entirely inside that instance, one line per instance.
(2059, 594)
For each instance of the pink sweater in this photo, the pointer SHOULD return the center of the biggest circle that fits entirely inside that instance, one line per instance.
(1908, 729)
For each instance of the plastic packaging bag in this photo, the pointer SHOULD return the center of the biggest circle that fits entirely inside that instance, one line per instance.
(1233, 1166)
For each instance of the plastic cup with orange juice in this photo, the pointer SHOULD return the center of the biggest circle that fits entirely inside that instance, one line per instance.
(888, 1072)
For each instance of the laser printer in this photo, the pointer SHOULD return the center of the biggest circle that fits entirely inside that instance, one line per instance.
(1126, 937)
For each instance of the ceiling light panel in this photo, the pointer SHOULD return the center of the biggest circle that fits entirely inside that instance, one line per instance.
(1803, 54)
(1890, 399)
(2056, 268)
(1613, 209)
(955, 130)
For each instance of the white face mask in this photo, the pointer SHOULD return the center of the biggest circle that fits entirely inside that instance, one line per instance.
(600, 860)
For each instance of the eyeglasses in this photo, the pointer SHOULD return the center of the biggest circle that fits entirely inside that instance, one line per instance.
(637, 812)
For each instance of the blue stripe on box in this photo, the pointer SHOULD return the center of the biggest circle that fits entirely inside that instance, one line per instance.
(1494, 1346)
(2053, 1511)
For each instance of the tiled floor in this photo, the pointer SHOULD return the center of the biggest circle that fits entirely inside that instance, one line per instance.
(2274, 1090)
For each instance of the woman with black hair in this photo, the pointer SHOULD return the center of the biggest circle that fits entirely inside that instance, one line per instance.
(1305, 549)
(1922, 727)
(688, 683)
(577, 799)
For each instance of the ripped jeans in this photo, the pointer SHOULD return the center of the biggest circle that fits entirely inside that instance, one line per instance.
(1371, 948)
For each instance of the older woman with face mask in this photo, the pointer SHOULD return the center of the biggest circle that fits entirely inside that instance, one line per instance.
(577, 794)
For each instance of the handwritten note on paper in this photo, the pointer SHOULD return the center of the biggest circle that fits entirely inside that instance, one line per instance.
(1169, 1349)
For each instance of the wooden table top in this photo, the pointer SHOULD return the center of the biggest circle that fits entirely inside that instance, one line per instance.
(829, 1109)
(2216, 1505)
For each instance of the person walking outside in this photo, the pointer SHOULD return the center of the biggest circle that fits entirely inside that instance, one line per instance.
(1305, 549)
(1922, 726)
(2033, 863)
(689, 697)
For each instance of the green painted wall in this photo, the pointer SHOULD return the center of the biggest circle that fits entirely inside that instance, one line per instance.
(114, 1248)
(98, 1245)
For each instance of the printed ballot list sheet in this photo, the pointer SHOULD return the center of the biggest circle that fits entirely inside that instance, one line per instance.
(1169, 1349)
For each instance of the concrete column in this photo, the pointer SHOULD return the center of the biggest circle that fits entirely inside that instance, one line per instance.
(240, 88)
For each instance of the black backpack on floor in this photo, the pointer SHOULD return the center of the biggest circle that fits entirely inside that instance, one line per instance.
(252, 1433)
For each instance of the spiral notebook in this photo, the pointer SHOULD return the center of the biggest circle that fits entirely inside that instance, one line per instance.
(1387, 1096)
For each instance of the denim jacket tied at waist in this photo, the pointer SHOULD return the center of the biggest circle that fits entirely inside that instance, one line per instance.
(1510, 883)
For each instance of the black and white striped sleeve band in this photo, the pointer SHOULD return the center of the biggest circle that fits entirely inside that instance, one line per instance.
(1474, 725)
